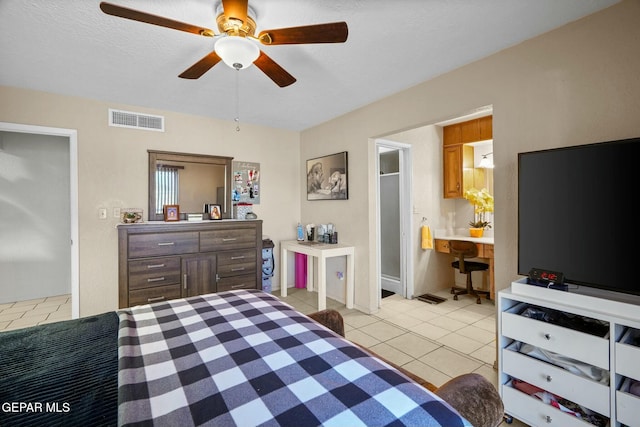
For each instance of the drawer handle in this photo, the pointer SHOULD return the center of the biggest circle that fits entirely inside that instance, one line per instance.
(238, 286)
(155, 266)
(238, 269)
(547, 336)
(166, 243)
(155, 299)
(184, 280)
(548, 378)
(156, 279)
(238, 257)
(230, 239)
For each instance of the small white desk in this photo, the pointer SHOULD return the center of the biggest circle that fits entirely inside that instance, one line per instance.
(319, 251)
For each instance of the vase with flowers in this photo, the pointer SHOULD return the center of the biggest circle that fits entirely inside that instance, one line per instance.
(482, 203)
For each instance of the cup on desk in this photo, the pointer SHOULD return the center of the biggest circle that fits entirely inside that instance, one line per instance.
(311, 234)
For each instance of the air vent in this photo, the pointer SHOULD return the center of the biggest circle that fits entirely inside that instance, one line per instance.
(128, 119)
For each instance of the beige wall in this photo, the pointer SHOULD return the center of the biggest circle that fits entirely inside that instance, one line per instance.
(575, 85)
(112, 172)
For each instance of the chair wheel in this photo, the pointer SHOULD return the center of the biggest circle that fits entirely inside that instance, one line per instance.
(478, 301)
(453, 291)
(455, 297)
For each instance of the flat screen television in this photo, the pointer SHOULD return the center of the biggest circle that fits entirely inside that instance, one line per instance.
(577, 214)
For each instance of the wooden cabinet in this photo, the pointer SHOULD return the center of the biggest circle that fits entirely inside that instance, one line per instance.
(459, 173)
(198, 274)
(458, 170)
(476, 130)
(162, 261)
(452, 135)
(588, 352)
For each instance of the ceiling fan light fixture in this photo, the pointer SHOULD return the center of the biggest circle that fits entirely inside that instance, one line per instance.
(237, 52)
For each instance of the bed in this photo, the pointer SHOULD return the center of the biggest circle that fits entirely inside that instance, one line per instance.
(233, 358)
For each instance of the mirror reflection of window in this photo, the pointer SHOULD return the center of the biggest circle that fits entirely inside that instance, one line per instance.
(188, 180)
(167, 186)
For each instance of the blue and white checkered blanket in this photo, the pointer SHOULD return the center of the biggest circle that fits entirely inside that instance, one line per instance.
(245, 358)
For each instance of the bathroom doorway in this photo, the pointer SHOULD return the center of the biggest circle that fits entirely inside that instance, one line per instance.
(394, 202)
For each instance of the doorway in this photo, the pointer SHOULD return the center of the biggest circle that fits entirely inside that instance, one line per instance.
(34, 155)
(395, 270)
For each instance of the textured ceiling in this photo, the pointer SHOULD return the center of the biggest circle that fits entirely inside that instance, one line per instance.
(70, 47)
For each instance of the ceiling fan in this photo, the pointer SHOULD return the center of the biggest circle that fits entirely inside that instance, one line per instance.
(238, 44)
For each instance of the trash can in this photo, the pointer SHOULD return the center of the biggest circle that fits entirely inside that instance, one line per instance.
(268, 264)
(301, 271)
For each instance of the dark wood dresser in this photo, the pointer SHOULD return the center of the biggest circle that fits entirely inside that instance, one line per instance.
(161, 261)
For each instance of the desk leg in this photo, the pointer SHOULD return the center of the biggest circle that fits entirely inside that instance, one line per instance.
(491, 280)
(350, 281)
(322, 283)
(310, 275)
(283, 272)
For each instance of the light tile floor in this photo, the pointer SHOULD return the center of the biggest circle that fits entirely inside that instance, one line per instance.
(22, 314)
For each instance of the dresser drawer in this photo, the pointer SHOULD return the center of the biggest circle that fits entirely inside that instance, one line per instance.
(568, 342)
(156, 294)
(628, 355)
(228, 238)
(247, 281)
(158, 244)
(236, 262)
(557, 380)
(628, 405)
(534, 412)
(442, 246)
(146, 273)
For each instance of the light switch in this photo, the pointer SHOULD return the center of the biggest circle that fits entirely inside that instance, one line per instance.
(102, 213)
(116, 212)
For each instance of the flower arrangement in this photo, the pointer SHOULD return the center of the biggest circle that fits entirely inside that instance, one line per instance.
(482, 203)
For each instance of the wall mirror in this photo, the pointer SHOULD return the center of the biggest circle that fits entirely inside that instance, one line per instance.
(191, 181)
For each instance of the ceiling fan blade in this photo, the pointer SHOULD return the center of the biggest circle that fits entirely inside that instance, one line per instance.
(201, 67)
(136, 15)
(333, 32)
(275, 72)
(236, 9)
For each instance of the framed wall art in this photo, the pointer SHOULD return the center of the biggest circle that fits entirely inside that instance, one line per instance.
(327, 177)
(171, 212)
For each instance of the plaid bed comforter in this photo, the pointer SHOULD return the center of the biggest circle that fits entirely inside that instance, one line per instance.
(246, 358)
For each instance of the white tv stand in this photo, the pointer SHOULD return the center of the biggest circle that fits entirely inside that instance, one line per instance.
(617, 352)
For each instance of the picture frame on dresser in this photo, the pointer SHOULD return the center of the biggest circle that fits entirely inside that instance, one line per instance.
(215, 212)
(171, 213)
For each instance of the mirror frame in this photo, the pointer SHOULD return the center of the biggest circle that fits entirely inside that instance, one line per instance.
(154, 156)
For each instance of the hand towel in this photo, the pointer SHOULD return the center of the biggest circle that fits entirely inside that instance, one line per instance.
(427, 240)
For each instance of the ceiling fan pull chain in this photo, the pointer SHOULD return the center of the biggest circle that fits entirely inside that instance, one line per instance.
(237, 118)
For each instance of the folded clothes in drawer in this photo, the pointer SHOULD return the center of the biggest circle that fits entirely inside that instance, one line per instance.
(575, 366)
(566, 406)
(576, 322)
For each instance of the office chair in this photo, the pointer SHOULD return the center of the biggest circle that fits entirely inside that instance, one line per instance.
(463, 250)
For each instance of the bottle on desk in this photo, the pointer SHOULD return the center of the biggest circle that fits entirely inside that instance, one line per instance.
(300, 232)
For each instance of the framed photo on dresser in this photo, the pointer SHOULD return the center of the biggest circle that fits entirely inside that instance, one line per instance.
(171, 212)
